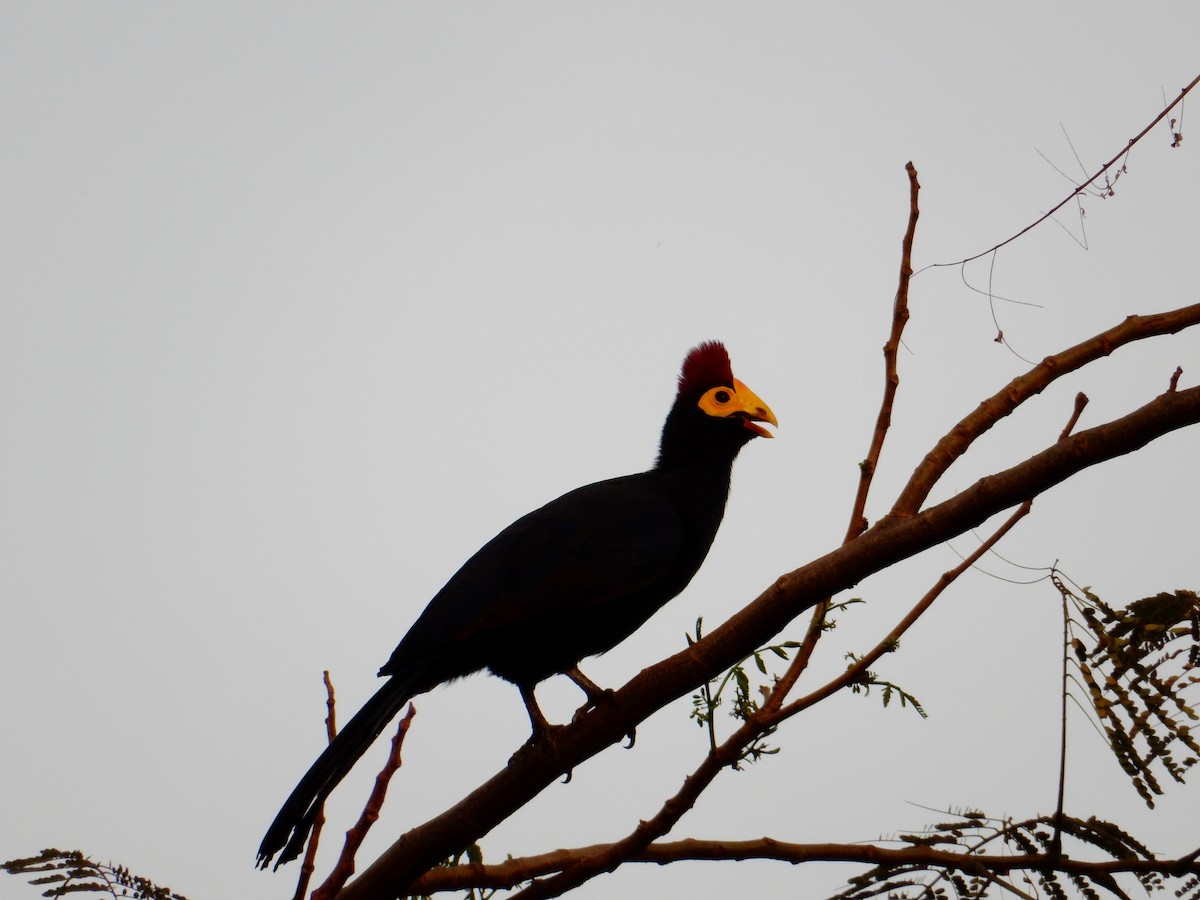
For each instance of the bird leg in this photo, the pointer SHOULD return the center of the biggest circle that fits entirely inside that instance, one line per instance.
(543, 731)
(594, 692)
(595, 695)
(541, 727)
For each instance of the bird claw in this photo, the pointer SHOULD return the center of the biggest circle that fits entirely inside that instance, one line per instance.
(593, 700)
(541, 736)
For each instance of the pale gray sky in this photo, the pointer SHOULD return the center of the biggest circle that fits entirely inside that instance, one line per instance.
(302, 303)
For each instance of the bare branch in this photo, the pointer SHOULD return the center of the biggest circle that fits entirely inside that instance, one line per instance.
(891, 383)
(354, 837)
(514, 871)
(955, 443)
(608, 857)
(1080, 188)
(853, 673)
(1081, 400)
(308, 866)
(900, 315)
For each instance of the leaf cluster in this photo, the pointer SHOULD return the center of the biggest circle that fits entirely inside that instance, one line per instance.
(1135, 664)
(1033, 845)
(743, 704)
(889, 689)
(69, 871)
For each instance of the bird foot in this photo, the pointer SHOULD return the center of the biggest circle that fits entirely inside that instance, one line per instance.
(542, 740)
(594, 700)
(543, 736)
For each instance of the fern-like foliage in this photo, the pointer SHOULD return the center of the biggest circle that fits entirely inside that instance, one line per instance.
(63, 872)
(889, 690)
(743, 703)
(747, 699)
(987, 857)
(1135, 665)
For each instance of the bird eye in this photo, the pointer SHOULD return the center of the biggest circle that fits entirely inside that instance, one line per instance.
(722, 396)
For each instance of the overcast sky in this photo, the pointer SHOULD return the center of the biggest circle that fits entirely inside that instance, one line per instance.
(300, 304)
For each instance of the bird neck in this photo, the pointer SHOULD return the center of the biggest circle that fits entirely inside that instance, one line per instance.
(699, 486)
(695, 442)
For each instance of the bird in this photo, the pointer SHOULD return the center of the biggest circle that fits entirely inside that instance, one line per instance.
(567, 581)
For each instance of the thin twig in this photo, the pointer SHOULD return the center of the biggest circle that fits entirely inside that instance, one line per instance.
(856, 671)
(900, 316)
(1081, 401)
(354, 837)
(309, 865)
(1060, 801)
(891, 382)
(610, 856)
(1080, 188)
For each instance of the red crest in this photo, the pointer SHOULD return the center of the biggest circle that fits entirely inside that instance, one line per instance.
(705, 366)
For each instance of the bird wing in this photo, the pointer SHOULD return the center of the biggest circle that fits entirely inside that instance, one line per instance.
(593, 546)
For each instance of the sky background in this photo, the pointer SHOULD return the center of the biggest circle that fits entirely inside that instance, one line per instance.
(300, 304)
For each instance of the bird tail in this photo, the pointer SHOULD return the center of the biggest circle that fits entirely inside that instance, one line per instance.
(289, 832)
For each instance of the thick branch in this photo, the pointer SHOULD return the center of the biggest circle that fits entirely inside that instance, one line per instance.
(890, 540)
(514, 871)
(1021, 388)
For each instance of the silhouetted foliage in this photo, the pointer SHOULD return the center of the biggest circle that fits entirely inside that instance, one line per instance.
(1135, 663)
(64, 872)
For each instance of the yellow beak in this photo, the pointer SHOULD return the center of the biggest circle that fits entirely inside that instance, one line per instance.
(753, 410)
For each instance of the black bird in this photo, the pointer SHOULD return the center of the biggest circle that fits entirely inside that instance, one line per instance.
(567, 581)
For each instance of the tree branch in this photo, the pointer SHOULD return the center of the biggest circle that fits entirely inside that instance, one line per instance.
(514, 871)
(1080, 188)
(308, 866)
(854, 672)
(900, 315)
(370, 814)
(956, 442)
(883, 421)
(894, 538)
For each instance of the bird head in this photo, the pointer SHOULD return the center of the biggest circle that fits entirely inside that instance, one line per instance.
(714, 414)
